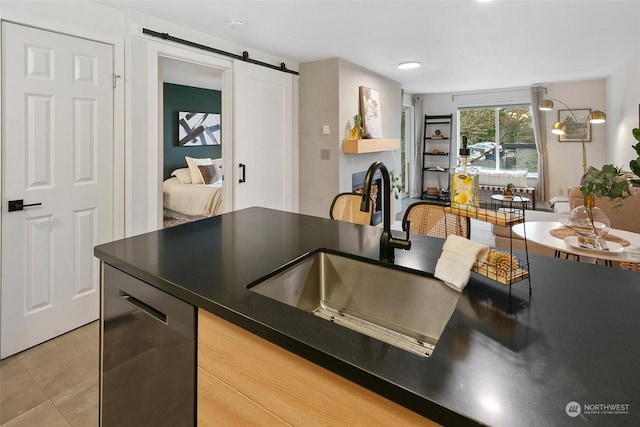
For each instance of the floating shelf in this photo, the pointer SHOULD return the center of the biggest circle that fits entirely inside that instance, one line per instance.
(505, 218)
(515, 274)
(518, 268)
(356, 146)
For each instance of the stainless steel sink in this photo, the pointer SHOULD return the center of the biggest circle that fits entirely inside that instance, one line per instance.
(406, 310)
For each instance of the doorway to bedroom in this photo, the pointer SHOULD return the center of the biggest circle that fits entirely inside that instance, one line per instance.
(191, 100)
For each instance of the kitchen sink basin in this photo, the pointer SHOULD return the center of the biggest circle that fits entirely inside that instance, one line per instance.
(400, 308)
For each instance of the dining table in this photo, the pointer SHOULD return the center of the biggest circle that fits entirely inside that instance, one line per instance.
(621, 245)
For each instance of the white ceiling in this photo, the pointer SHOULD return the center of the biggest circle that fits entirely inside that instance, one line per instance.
(463, 45)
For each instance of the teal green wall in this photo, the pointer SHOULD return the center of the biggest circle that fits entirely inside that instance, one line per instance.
(186, 98)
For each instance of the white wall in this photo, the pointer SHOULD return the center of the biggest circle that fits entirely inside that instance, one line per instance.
(441, 104)
(144, 192)
(329, 95)
(435, 105)
(138, 128)
(76, 18)
(565, 158)
(319, 106)
(623, 99)
(188, 74)
(351, 78)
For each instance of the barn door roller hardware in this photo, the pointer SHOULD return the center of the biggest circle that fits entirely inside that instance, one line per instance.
(244, 57)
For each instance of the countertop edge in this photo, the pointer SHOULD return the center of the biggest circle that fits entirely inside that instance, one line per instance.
(395, 393)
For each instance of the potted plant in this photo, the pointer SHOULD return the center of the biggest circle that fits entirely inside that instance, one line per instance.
(635, 163)
(357, 130)
(589, 221)
(396, 185)
(508, 191)
(608, 182)
(396, 190)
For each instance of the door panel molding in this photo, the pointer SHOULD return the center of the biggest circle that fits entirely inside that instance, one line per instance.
(58, 155)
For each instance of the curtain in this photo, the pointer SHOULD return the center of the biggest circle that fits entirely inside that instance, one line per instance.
(416, 179)
(540, 135)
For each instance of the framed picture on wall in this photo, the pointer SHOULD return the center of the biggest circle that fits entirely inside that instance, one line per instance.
(577, 124)
(370, 111)
(196, 129)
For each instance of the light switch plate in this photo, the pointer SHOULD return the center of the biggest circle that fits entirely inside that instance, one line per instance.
(326, 129)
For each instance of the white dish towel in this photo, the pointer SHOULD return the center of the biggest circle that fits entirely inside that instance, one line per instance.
(457, 258)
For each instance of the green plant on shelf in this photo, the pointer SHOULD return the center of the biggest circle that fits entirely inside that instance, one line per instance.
(357, 130)
(509, 189)
(396, 185)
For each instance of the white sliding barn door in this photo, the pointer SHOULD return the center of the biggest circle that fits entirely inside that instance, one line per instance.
(264, 151)
(57, 150)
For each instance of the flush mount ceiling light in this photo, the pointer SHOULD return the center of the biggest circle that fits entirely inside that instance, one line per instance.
(235, 23)
(408, 65)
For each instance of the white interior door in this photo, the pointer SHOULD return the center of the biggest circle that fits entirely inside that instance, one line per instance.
(57, 150)
(263, 143)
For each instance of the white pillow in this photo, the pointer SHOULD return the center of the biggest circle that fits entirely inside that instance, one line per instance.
(183, 175)
(196, 176)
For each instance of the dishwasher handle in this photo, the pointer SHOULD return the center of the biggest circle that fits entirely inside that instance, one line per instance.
(156, 314)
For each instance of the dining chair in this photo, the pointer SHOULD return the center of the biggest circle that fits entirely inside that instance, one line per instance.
(346, 207)
(626, 265)
(430, 219)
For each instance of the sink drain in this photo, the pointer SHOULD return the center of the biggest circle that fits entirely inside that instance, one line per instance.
(373, 330)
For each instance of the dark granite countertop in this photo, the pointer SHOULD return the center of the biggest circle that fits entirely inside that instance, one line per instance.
(500, 360)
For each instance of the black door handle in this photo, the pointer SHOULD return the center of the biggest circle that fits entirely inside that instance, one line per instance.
(244, 171)
(18, 205)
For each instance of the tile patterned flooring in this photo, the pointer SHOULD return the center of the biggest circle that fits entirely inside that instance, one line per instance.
(55, 383)
(52, 384)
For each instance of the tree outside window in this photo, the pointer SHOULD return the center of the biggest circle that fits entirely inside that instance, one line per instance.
(500, 138)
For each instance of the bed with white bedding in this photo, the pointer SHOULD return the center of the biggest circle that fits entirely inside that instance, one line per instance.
(194, 191)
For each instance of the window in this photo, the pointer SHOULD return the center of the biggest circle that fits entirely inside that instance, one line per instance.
(500, 138)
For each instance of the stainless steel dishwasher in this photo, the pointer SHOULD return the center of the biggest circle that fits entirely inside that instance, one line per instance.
(148, 357)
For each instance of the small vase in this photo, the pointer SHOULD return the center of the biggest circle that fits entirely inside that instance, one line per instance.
(589, 222)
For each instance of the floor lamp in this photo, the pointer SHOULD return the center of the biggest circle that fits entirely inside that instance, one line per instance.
(559, 128)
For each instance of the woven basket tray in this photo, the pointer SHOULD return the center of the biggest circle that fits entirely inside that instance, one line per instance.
(563, 232)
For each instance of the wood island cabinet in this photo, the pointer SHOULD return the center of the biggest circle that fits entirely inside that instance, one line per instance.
(244, 379)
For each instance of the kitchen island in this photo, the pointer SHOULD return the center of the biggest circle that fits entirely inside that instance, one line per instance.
(499, 361)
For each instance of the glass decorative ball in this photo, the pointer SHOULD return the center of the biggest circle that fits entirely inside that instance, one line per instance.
(589, 222)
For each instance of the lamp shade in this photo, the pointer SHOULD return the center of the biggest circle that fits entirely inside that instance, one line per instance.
(597, 116)
(546, 105)
(559, 128)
